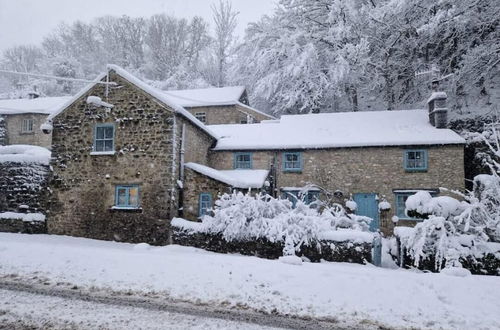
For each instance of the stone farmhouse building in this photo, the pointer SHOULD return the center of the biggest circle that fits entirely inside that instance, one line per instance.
(127, 158)
(20, 120)
(214, 106)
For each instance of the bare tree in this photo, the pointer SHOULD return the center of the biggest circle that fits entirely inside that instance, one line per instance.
(225, 22)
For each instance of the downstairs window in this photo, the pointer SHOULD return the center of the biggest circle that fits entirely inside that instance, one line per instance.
(127, 196)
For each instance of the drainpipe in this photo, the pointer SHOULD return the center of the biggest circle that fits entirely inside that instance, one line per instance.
(183, 138)
(181, 172)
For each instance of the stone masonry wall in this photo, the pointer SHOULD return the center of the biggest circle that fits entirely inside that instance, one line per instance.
(229, 114)
(84, 184)
(3, 131)
(23, 187)
(197, 143)
(196, 183)
(16, 136)
(363, 170)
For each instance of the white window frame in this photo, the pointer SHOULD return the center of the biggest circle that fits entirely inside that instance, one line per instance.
(27, 125)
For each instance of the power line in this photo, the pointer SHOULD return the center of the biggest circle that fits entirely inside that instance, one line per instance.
(38, 75)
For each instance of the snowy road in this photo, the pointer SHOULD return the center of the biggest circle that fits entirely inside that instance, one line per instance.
(350, 295)
(32, 306)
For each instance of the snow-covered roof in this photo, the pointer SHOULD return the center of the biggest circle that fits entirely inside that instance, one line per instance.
(235, 178)
(43, 105)
(437, 95)
(207, 96)
(22, 153)
(336, 130)
(156, 93)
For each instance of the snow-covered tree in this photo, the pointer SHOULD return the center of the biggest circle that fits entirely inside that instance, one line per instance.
(225, 22)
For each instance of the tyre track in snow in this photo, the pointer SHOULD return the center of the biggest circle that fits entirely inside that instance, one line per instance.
(178, 307)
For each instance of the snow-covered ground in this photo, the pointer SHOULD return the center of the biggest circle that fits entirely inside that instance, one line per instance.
(349, 293)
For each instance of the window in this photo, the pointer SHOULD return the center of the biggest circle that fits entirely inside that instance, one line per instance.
(415, 160)
(242, 160)
(127, 196)
(294, 195)
(104, 138)
(400, 199)
(27, 126)
(205, 204)
(292, 162)
(201, 116)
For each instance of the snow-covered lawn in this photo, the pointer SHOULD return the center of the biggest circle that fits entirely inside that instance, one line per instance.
(350, 293)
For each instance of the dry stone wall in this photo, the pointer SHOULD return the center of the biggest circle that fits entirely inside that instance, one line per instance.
(23, 190)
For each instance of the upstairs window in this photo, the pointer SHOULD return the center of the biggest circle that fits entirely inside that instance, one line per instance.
(242, 160)
(205, 204)
(27, 126)
(201, 116)
(127, 196)
(104, 138)
(415, 160)
(292, 162)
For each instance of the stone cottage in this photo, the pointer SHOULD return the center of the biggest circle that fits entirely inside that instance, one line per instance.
(224, 105)
(20, 120)
(127, 158)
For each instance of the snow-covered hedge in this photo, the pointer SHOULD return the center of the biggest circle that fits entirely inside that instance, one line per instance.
(243, 217)
(454, 233)
(463, 232)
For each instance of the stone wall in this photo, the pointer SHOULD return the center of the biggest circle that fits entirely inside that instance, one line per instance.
(194, 184)
(84, 184)
(23, 187)
(228, 114)
(3, 131)
(13, 124)
(197, 144)
(362, 170)
(23, 227)
(23, 190)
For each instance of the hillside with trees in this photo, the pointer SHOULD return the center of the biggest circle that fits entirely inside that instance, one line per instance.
(306, 56)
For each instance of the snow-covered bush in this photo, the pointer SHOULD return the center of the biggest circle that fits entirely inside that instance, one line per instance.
(240, 217)
(456, 230)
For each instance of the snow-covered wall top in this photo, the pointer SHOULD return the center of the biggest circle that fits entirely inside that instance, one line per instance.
(234, 178)
(43, 105)
(207, 96)
(336, 130)
(21, 153)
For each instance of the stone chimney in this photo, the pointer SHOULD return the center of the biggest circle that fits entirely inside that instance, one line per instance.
(438, 112)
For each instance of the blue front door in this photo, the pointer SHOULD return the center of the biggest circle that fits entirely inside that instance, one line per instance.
(368, 207)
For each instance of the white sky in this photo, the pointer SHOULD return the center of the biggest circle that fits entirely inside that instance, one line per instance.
(28, 21)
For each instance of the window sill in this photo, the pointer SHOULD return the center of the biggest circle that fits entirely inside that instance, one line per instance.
(410, 219)
(292, 171)
(126, 209)
(27, 133)
(103, 153)
(415, 170)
